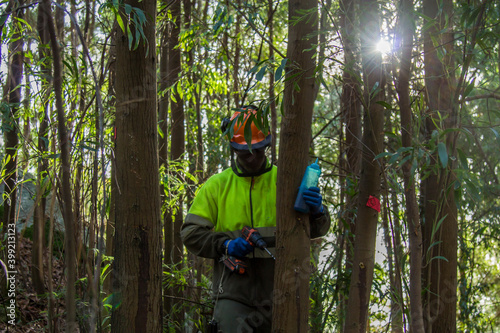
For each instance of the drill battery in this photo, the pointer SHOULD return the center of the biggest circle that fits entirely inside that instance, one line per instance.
(234, 264)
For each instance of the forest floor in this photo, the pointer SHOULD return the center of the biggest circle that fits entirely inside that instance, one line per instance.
(31, 309)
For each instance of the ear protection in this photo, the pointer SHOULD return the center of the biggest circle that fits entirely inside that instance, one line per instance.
(224, 124)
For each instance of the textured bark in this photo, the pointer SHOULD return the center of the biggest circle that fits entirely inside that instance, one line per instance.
(440, 275)
(272, 98)
(66, 198)
(174, 217)
(39, 213)
(10, 124)
(412, 213)
(177, 147)
(350, 143)
(137, 263)
(110, 226)
(163, 157)
(293, 267)
(369, 185)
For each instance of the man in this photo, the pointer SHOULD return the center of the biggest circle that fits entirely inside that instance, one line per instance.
(244, 195)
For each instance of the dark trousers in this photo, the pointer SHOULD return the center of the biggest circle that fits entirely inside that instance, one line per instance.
(234, 317)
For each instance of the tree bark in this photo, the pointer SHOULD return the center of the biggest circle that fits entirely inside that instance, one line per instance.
(293, 266)
(412, 213)
(440, 265)
(39, 213)
(137, 265)
(369, 185)
(10, 125)
(350, 144)
(67, 201)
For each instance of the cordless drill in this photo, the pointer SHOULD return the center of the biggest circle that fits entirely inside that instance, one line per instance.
(255, 239)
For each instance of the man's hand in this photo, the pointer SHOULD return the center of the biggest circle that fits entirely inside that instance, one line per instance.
(313, 199)
(238, 247)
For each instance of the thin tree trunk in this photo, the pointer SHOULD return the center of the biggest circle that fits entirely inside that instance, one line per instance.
(39, 215)
(163, 157)
(10, 124)
(440, 227)
(350, 147)
(412, 213)
(293, 268)
(64, 142)
(272, 98)
(236, 62)
(51, 318)
(392, 240)
(110, 226)
(369, 185)
(177, 148)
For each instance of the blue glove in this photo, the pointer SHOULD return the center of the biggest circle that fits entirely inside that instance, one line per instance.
(238, 247)
(313, 199)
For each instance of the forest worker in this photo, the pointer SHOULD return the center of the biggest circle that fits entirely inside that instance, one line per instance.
(243, 195)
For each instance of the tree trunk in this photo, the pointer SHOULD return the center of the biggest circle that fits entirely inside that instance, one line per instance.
(110, 226)
(163, 157)
(177, 147)
(10, 126)
(369, 185)
(137, 264)
(412, 213)
(271, 92)
(293, 266)
(440, 225)
(67, 202)
(39, 213)
(350, 146)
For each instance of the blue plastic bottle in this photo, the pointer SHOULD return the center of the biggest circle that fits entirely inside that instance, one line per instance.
(311, 177)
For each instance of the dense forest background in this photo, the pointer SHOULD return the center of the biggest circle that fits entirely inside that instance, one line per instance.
(111, 116)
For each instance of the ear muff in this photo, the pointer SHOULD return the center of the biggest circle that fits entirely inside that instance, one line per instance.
(224, 124)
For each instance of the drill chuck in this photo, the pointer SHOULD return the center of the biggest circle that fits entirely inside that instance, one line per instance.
(255, 239)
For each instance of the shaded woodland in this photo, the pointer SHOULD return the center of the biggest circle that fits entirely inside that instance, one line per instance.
(111, 114)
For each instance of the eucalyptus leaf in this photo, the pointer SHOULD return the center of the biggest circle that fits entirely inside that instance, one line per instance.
(443, 154)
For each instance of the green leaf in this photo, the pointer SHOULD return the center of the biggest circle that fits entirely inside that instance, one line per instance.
(130, 38)
(384, 154)
(120, 22)
(394, 158)
(495, 133)
(128, 9)
(463, 159)
(443, 154)
(279, 72)
(261, 73)
(469, 88)
(385, 104)
(440, 257)
(140, 14)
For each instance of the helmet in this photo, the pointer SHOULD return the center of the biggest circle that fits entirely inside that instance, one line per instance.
(239, 123)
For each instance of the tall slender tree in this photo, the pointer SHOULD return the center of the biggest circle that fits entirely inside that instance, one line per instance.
(369, 183)
(412, 214)
(350, 141)
(439, 225)
(10, 123)
(137, 263)
(65, 184)
(291, 283)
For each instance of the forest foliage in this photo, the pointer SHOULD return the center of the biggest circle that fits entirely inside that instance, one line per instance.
(234, 53)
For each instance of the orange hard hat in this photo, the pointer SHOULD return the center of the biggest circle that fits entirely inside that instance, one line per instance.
(259, 139)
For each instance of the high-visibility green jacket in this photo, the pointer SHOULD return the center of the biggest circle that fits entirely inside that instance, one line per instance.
(223, 206)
